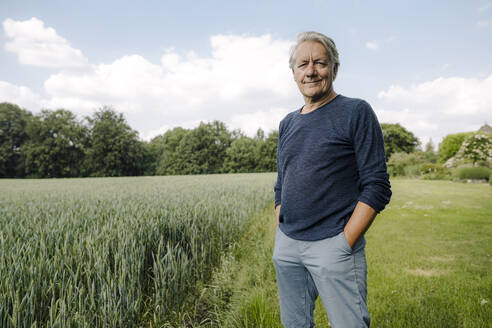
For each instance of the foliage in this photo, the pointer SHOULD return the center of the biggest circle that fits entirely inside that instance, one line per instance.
(450, 145)
(211, 148)
(55, 146)
(114, 148)
(417, 164)
(267, 161)
(411, 170)
(432, 171)
(252, 154)
(398, 139)
(429, 154)
(476, 149)
(477, 172)
(203, 150)
(242, 156)
(164, 149)
(13, 135)
(398, 161)
(117, 252)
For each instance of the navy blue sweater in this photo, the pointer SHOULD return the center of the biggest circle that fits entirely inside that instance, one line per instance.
(327, 161)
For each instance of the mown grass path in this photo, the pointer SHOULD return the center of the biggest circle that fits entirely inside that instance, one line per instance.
(429, 259)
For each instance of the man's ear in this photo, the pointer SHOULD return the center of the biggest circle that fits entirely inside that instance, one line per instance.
(335, 71)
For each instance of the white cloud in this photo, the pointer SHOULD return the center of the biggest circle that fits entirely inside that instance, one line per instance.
(436, 108)
(162, 129)
(20, 95)
(40, 46)
(248, 123)
(483, 23)
(243, 75)
(266, 120)
(373, 45)
(245, 82)
(378, 44)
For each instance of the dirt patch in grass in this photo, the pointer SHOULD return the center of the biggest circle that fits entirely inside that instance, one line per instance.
(426, 272)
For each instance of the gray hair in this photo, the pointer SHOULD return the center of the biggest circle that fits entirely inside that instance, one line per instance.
(325, 41)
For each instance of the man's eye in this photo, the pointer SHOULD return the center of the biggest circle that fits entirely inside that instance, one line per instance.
(301, 65)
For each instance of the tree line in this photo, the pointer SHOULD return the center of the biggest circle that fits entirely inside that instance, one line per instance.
(55, 144)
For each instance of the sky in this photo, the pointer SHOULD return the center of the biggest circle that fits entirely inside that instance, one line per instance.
(424, 64)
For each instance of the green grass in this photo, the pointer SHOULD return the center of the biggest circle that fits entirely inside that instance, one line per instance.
(429, 263)
(430, 256)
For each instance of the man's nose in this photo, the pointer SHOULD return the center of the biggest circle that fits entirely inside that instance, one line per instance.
(310, 70)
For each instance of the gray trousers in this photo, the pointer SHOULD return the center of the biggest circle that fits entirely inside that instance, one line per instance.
(328, 267)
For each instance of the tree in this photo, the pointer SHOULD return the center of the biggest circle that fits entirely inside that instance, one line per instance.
(450, 145)
(13, 135)
(114, 147)
(203, 149)
(56, 145)
(164, 150)
(429, 154)
(242, 155)
(267, 153)
(398, 139)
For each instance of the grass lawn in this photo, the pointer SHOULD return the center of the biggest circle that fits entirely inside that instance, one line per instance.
(430, 256)
(429, 263)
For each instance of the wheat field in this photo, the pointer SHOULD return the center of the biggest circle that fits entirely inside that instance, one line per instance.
(116, 252)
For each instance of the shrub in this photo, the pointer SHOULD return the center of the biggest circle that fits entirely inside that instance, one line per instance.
(430, 171)
(476, 149)
(401, 160)
(450, 145)
(479, 172)
(412, 170)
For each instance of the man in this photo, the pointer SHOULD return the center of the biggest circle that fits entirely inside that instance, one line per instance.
(331, 183)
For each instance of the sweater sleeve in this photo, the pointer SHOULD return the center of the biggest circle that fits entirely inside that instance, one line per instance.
(375, 189)
(278, 191)
(278, 185)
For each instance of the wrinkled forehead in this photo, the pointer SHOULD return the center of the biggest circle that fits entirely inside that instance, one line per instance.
(308, 50)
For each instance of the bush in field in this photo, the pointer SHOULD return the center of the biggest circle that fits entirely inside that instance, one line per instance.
(412, 170)
(478, 172)
(399, 161)
(476, 149)
(450, 145)
(431, 171)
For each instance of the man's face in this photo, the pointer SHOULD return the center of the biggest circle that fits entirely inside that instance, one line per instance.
(312, 71)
